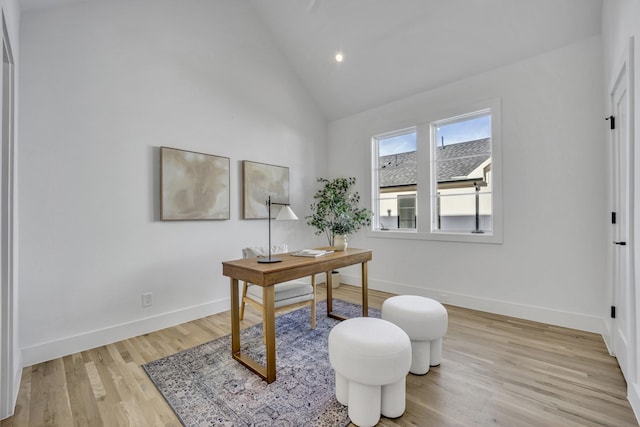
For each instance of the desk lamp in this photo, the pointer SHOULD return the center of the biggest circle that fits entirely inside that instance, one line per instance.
(285, 214)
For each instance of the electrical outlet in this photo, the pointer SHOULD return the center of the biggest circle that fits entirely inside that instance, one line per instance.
(147, 299)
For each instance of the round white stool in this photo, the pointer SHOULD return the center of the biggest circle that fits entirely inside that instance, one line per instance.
(425, 321)
(371, 358)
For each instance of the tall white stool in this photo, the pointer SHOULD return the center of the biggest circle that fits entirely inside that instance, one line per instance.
(371, 358)
(425, 321)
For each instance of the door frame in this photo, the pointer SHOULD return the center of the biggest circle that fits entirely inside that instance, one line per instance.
(10, 362)
(632, 238)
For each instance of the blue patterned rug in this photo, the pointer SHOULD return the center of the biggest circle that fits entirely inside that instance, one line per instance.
(205, 387)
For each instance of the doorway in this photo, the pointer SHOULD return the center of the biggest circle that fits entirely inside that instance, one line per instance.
(622, 170)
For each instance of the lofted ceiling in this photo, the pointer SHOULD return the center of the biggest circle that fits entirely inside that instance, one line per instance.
(395, 48)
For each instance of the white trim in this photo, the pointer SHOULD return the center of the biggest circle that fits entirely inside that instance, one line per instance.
(443, 237)
(424, 192)
(73, 344)
(580, 321)
(374, 177)
(10, 369)
(625, 69)
(425, 144)
(633, 387)
(607, 335)
(633, 394)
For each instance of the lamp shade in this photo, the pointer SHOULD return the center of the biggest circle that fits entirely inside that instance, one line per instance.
(286, 214)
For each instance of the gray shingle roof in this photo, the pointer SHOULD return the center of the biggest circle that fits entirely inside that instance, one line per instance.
(398, 170)
(455, 161)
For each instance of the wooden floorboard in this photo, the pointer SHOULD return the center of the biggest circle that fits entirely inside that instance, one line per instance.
(495, 371)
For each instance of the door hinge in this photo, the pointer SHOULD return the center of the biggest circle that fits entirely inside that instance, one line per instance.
(612, 122)
(613, 311)
(613, 217)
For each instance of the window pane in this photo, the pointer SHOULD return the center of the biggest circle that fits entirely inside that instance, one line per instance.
(458, 212)
(397, 181)
(462, 172)
(406, 211)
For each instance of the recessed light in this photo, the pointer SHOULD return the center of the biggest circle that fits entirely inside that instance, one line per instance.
(339, 57)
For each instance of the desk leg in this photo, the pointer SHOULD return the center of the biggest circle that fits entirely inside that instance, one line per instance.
(365, 290)
(269, 319)
(268, 372)
(313, 303)
(235, 318)
(329, 295)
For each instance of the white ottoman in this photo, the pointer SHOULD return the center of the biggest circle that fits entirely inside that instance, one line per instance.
(425, 321)
(371, 358)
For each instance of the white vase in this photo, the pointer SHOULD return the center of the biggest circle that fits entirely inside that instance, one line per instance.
(340, 242)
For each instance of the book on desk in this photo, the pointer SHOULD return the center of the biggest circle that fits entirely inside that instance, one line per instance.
(312, 253)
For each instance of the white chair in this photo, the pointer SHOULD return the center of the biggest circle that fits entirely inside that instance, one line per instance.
(285, 294)
(425, 321)
(371, 358)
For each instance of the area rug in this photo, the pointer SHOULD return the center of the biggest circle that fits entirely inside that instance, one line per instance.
(205, 387)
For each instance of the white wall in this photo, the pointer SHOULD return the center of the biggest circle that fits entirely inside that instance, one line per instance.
(103, 85)
(619, 24)
(551, 266)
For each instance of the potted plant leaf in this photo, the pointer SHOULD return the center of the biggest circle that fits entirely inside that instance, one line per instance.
(336, 211)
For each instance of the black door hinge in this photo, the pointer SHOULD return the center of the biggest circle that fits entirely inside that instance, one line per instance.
(612, 122)
(613, 311)
(613, 217)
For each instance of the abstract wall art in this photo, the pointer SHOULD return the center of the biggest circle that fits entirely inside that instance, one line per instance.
(259, 182)
(193, 186)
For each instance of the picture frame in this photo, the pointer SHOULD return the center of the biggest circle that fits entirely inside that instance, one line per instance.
(261, 180)
(193, 186)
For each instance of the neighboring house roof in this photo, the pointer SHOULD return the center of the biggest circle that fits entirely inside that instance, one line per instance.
(455, 162)
(397, 170)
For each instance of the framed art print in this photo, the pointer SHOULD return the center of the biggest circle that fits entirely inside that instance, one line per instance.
(259, 182)
(193, 186)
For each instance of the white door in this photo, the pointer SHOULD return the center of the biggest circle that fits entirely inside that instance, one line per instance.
(622, 156)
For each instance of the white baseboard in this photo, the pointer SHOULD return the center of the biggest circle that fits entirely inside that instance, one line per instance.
(537, 314)
(633, 391)
(607, 335)
(88, 340)
(8, 407)
(73, 344)
(17, 379)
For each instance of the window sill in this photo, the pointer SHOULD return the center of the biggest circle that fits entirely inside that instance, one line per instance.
(441, 237)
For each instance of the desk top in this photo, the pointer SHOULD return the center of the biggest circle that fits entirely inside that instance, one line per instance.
(292, 267)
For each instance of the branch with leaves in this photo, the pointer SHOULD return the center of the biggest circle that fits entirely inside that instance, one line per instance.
(336, 211)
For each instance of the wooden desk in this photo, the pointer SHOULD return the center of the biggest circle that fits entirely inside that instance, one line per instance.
(267, 275)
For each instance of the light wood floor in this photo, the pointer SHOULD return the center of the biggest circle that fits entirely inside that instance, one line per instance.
(496, 370)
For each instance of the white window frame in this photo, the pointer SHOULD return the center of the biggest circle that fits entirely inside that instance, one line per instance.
(424, 150)
(375, 185)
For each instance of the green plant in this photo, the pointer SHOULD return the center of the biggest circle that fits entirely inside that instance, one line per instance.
(335, 210)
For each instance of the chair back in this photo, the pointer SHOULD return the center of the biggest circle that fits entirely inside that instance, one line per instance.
(259, 251)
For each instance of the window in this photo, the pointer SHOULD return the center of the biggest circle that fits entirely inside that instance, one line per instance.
(440, 179)
(397, 180)
(461, 167)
